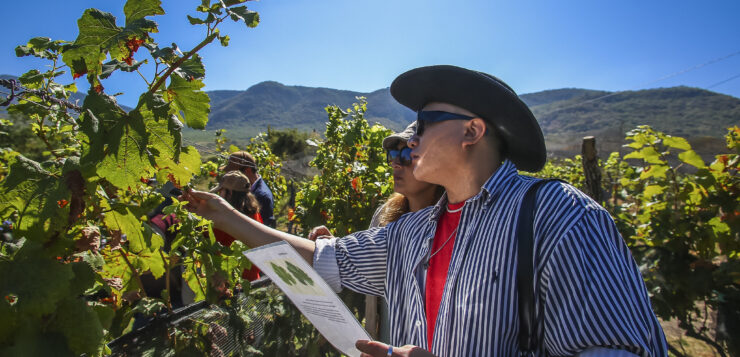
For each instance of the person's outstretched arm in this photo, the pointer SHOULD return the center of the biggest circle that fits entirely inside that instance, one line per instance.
(241, 227)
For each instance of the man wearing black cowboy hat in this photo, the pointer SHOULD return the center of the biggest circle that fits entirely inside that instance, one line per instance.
(449, 272)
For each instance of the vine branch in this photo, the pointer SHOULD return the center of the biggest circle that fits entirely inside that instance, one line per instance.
(133, 271)
(179, 62)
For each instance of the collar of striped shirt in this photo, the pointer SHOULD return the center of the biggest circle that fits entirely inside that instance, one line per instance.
(490, 190)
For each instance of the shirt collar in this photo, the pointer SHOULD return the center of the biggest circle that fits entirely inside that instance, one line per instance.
(491, 189)
(500, 180)
(254, 185)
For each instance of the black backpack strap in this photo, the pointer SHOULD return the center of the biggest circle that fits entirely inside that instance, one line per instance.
(525, 269)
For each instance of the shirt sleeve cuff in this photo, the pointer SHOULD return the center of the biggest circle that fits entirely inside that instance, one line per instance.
(325, 263)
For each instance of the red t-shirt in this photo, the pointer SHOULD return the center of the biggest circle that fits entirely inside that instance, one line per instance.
(226, 239)
(444, 241)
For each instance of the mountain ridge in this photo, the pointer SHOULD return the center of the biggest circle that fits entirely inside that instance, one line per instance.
(565, 114)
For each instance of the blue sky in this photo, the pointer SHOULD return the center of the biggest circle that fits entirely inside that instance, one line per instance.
(363, 45)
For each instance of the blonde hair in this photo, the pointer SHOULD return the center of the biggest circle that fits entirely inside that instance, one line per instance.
(398, 205)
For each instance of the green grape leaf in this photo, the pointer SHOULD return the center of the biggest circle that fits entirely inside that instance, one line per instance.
(84, 278)
(241, 13)
(166, 54)
(224, 40)
(692, 158)
(190, 103)
(647, 154)
(32, 79)
(192, 68)
(38, 281)
(126, 158)
(696, 195)
(98, 35)
(105, 314)
(26, 343)
(139, 9)
(40, 198)
(42, 47)
(10, 320)
(652, 190)
(195, 20)
(718, 226)
(97, 28)
(658, 171)
(111, 66)
(234, 2)
(718, 165)
(27, 109)
(125, 221)
(79, 323)
(195, 284)
(183, 169)
(98, 124)
(150, 260)
(676, 143)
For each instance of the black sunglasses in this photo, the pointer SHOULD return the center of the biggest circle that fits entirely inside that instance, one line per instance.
(403, 155)
(424, 118)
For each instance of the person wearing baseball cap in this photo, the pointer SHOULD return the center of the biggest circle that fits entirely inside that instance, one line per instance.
(234, 188)
(450, 272)
(244, 162)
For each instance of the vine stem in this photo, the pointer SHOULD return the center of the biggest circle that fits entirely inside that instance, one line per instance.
(167, 280)
(144, 78)
(179, 62)
(133, 270)
(43, 138)
(197, 279)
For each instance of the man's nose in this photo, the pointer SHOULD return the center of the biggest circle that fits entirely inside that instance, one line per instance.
(413, 141)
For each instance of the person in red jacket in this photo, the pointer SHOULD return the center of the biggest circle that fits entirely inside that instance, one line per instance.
(234, 188)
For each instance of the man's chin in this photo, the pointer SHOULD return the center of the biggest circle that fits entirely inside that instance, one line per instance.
(419, 173)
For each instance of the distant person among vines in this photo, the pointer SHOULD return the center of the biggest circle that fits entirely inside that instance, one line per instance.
(450, 271)
(234, 188)
(410, 195)
(243, 162)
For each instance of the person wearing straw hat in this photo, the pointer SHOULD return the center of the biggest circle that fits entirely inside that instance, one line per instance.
(450, 272)
(244, 162)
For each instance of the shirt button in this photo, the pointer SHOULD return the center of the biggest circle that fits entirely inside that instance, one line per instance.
(418, 323)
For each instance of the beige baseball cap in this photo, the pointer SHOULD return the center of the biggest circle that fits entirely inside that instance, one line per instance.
(234, 181)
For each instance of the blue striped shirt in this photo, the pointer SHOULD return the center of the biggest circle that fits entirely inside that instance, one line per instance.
(588, 289)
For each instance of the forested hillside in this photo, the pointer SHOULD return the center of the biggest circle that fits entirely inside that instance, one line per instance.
(565, 115)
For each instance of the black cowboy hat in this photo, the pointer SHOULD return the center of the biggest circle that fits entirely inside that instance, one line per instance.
(486, 96)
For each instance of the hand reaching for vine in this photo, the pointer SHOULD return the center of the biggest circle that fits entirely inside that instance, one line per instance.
(319, 233)
(206, 205)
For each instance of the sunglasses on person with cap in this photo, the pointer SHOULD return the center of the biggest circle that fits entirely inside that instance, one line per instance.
(403, 156)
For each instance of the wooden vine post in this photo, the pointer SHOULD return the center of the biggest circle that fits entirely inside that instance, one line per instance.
(591, 169)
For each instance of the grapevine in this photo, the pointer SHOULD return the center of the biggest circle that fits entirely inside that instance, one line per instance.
(76, 244)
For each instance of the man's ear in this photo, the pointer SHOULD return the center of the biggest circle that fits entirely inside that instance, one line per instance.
(475, 130)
